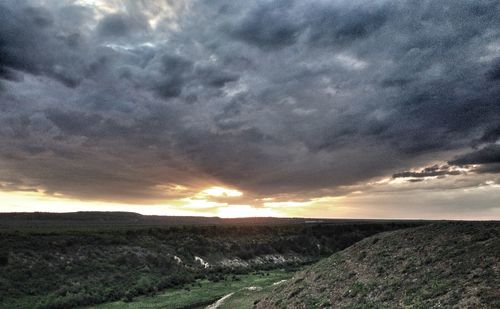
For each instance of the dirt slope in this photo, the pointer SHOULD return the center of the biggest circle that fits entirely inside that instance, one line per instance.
(448, 265)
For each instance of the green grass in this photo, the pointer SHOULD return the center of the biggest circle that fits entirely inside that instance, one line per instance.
(204, 292)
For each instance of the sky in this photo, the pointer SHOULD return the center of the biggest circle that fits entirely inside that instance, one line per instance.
(358, 109)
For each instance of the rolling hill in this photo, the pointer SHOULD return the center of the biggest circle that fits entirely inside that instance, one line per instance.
(445, 265)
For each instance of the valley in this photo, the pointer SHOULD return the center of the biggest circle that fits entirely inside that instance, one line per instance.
(85, 259)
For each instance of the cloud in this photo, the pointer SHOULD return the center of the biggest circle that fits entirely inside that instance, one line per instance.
(487, 155)
(338, 24)
(28, 38)
(490, 135)
(120, 100)
(120, 25)
(493, 168)
(494, 72)
(270, 25)
(431, 171)
(277, 24)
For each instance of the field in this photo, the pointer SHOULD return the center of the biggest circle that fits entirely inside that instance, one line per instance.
(246, 288)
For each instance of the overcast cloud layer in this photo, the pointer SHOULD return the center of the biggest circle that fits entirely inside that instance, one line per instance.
(127, 100)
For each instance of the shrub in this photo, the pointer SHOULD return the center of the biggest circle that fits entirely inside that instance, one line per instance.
(4, 259)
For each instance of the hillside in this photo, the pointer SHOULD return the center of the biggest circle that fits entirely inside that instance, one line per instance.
(47, 266)
(446, 265)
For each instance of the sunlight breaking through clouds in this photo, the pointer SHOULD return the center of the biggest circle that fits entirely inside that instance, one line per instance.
(221, 192)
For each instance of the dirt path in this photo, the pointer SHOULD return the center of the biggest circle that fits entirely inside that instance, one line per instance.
(218, 303)
(221, 301)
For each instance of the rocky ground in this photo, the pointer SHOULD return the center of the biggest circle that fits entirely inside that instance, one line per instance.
(446, 265)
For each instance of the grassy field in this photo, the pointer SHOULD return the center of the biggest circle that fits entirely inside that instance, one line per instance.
(203, 292)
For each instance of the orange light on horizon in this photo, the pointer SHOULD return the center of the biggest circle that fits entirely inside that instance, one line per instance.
(245, 211)
(213, 201)
(221, 192)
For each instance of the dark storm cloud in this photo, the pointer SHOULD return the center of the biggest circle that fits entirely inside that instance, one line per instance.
(494, 72)
(174, 69)
(269, 25)
(178, 73)
(30, 42)
(337, 23)
(214, 77)
(121, 25)
(276, 24)
(488, 169)
(487, 155)
(490, 135)
(431, 171)
(293, 98)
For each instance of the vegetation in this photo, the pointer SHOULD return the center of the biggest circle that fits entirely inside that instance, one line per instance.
(203, 292)
(447, 265)
(56, 266)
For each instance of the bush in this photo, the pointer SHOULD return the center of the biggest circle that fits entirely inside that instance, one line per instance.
(4, 259)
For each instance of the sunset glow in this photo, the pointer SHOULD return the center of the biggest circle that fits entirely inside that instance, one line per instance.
(219, 191)
(241, 211)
